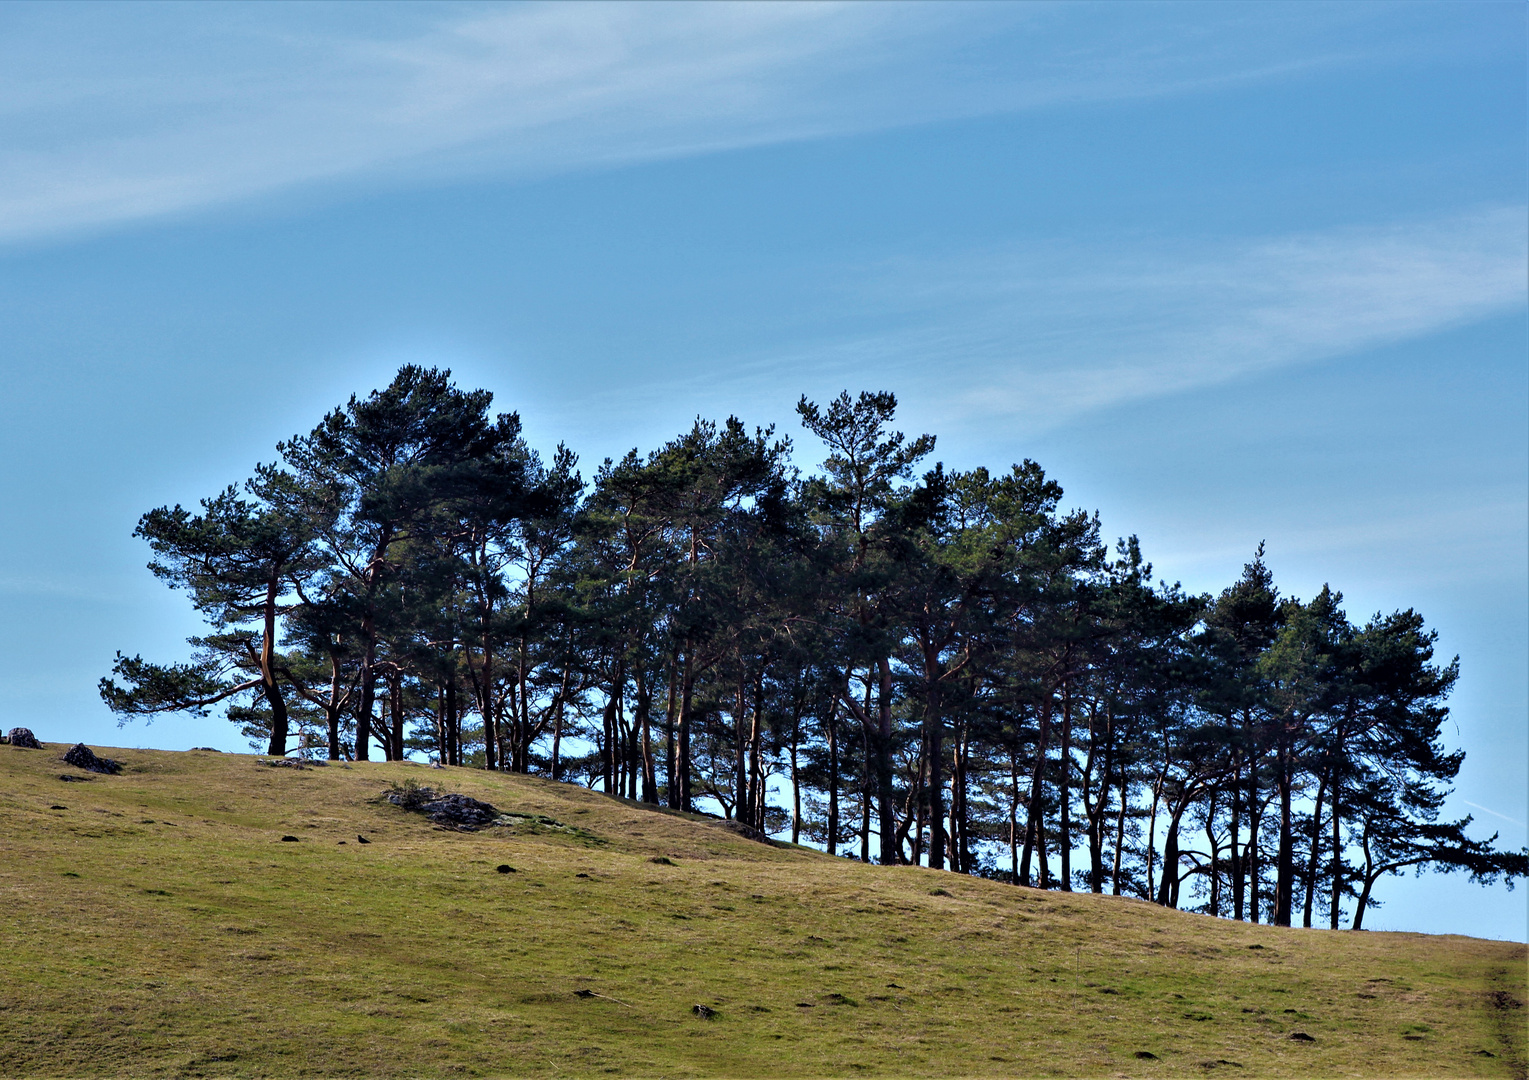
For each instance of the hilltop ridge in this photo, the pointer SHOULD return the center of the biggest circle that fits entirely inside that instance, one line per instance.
(158, 924)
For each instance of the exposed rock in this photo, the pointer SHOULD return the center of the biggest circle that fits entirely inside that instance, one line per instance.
(459, 812)
(82, 757)
(449, 811)
(23, 737)
(207, 749)
(705, 1012)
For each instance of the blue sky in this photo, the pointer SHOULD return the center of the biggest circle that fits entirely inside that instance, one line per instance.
(1230, 272)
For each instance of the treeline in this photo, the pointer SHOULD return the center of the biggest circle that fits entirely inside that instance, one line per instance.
(931, 667)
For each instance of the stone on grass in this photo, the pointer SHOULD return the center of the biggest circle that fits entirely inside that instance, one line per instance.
(82, 757)
(447, 810)
(24, 738)
(459, 812)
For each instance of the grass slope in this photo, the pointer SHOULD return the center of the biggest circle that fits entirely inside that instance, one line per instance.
(155, 924)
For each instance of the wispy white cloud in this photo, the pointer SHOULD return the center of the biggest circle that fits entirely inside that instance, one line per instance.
(118, 112)
(1059, 330)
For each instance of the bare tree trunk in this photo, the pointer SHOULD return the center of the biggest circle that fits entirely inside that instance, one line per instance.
(935, 725)
(1064, 837)
(1014, 815)
(1215, 856)
(687, 687)
(644, 725)
(833, 778)
(1335, 910)
(1120, 834)
(395, 707)
(368, 689)
(960, 791)
(1250, 851)
(1316, 853)
(796, 786)
(756, 765)
(1284, 880)
(671, 701)
(1035, 810)
(741, 790)
(278, 744)
(1235, 861)
(886, 809)
(866, 785)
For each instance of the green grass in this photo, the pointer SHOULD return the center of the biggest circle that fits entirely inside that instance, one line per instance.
(159, 926)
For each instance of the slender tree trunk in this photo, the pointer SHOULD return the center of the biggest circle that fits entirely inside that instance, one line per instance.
(671, 703)
(1157, 795)
(368, 690)
(935, 735)
(1371, 875)
(1167, 892)
(920, 800)
(886, 810)
(1235, 861)
(1014, 815)
(332, 710)
(741, 791)
(440, 725)
(278, 744)
(867, 784)
(1064, 837)
(644, 721)
(1251, 850)
(756, 765)
(687, 687)
(1314, 861)
(1215, 855)
(1035, 810)
(796, 786)
(395, 707)
(1120, 834)
(557, 741)
(965, 859)
(1335, 910)
(1284, 880)
(490, 720)
(833, 778)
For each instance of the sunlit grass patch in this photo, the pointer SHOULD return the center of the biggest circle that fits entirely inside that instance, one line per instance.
(160, 926)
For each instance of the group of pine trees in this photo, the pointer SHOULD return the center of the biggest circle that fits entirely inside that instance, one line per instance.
(943, 668)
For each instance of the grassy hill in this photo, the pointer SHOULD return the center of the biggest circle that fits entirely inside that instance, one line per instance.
(154, 923)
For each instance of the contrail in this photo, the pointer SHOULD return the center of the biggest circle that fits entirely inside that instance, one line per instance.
(1494, 813)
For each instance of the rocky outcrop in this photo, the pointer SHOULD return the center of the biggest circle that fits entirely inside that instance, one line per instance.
(82, 757)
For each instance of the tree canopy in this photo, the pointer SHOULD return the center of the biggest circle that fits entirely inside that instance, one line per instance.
(946, 668)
